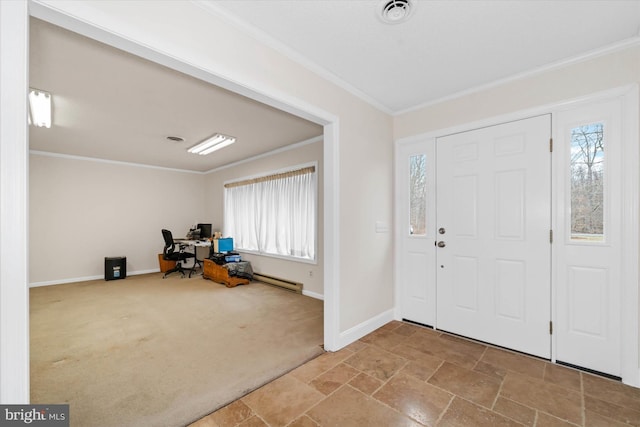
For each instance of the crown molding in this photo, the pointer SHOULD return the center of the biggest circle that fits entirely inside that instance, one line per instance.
(142, 165)
(269, 153)
(287, 51)
(615, 47)
(111, 162)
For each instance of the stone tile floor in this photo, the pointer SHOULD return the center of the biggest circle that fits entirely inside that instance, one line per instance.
(406, 375)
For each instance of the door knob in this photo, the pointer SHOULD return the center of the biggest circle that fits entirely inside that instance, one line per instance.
(441, 230)
(441, 244)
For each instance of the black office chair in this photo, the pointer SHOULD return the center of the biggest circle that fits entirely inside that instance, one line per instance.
(170, 254)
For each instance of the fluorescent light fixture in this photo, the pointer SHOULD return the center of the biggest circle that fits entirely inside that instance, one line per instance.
(212, 144)
(40, 108)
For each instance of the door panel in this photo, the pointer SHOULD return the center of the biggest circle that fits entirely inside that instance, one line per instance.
(510, 197)
(415, 184)
(465, 209)
(587, 298)
(588, 168)
(465, 283)
(510, 289)
(493, 199)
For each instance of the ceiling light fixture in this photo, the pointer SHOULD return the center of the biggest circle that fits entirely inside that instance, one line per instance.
(39, 108)
(212, 144)
(396, 11)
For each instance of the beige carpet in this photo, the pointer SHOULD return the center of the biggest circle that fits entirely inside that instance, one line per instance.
(150, 352)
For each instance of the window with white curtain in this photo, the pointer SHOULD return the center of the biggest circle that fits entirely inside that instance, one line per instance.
(274, 214)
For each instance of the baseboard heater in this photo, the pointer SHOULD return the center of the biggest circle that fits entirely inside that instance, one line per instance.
(276, 281)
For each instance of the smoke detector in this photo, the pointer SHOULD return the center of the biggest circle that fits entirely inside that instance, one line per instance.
(396, 11)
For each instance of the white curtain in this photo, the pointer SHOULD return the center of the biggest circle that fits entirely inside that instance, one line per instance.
(274, 216)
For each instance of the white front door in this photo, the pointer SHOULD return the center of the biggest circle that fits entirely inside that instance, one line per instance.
(588, 168)
(491, 279)
(494, 221)
(416, 213)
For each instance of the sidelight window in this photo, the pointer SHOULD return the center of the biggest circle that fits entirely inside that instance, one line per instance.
(418, 195)
(587, 183)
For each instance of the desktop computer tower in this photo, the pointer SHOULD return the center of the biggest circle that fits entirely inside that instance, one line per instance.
(115, 268)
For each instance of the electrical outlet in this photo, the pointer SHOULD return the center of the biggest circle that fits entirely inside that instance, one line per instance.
(310, 273)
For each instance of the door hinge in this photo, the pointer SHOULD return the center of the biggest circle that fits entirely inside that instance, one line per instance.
(550, 236)
(551, 145)
(550, 328)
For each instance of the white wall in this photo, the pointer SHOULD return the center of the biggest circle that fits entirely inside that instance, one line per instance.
(82, 211)
(571, 81)
(292, 270)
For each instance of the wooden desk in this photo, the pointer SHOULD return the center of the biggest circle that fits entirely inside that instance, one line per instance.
(219, 274)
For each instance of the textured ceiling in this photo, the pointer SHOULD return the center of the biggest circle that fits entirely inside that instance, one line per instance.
(445, 48)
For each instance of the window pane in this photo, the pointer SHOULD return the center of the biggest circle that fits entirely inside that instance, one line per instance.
(418, 195)
(587, 183)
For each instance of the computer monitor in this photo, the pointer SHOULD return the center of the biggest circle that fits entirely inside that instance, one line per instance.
(225, 245)
(205, 231)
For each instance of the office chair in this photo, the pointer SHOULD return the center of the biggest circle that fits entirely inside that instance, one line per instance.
(169, 253)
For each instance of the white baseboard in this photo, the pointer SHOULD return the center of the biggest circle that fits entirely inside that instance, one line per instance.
(133, 273)
(353, 334)
(87, 278)
(313, 295)
(632, 381)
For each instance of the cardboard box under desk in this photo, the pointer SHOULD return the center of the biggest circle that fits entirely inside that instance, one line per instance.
(164, 264)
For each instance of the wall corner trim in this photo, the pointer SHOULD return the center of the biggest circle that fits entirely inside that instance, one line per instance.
(355, 333)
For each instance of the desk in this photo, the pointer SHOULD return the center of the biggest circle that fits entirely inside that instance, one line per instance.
(195, 244)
